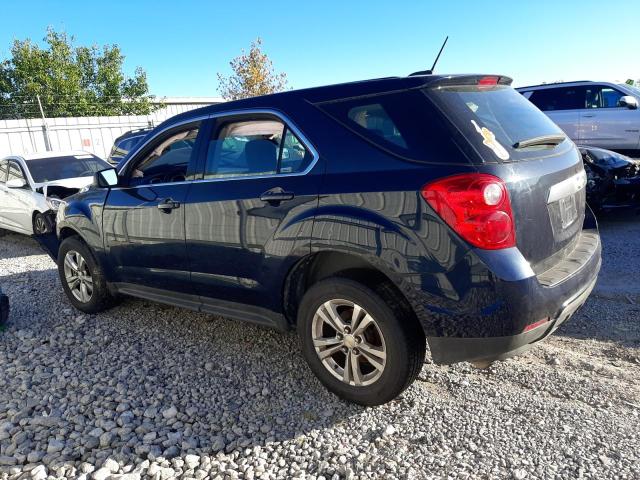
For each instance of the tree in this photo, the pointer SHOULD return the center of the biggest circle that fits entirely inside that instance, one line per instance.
(253, 75)
(70, 80)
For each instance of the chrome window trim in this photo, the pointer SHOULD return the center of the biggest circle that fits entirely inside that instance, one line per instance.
(230, 113)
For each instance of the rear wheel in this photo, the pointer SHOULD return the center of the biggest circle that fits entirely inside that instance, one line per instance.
(357, 342)
(82, 278)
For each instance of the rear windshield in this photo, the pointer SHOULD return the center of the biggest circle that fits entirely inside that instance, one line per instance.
(57, 168)
(404, 123)
(495, 118)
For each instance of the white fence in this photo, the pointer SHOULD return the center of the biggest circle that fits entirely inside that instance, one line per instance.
(93, 134)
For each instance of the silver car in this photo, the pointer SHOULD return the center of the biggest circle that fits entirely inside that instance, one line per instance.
(599, 114)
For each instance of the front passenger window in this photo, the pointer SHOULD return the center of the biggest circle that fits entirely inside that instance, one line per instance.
(15, 172)
(603, 97)
(168, 160)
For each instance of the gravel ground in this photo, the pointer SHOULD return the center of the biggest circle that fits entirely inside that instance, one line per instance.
(151, 391)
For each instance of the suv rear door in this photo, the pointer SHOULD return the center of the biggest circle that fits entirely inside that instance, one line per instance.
(143, 218)
(247, 218)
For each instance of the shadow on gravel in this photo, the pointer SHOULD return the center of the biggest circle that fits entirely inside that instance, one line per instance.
(605, 320)
(14, 245)
(612, 312)
(147, 380)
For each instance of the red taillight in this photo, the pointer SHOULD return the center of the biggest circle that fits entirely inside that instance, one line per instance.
(476, 206)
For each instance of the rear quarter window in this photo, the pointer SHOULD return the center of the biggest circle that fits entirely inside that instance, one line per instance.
(405, 124)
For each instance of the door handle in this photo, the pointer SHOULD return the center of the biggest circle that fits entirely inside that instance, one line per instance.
(276, 195)
(588, 115)
(168, 204)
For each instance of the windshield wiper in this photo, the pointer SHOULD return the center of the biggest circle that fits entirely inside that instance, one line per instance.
(542, 140)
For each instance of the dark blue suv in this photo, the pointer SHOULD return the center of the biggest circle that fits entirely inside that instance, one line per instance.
(375, 217)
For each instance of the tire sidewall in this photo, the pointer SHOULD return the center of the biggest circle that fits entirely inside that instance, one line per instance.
(44, 220)
(393, 379)
(100, 293)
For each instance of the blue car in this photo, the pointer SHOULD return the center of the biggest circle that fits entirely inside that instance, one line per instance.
(374, 217)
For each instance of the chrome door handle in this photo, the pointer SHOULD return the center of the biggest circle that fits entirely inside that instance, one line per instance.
(276, 195)
(168, 204)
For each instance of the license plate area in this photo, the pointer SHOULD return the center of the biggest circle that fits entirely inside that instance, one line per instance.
(568, 210)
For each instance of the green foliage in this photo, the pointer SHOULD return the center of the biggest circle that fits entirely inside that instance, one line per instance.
(253, 75)
(72, 81)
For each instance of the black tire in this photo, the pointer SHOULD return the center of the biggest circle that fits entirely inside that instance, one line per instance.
(404, 339)
(100, 299)
(41, 224)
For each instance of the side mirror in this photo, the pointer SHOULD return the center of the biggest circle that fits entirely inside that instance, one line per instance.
(106, 178)
(628, 101)
(16, 183)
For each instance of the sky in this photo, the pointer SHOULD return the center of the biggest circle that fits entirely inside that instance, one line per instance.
(183, 44)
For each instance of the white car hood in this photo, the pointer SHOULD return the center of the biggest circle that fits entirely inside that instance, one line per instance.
(78, 182)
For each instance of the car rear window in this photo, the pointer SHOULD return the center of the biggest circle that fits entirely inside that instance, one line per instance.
(494, 118)
(404, 123)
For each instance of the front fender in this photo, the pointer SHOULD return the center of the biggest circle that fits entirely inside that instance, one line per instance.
(82, 214)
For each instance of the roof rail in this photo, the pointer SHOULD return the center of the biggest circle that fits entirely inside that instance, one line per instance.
(555, 83)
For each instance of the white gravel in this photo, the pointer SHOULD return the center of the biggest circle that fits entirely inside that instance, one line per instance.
(146, 390)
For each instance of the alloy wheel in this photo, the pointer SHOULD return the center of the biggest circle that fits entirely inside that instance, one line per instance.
(349, 342)
(78, 276)
(40, 225)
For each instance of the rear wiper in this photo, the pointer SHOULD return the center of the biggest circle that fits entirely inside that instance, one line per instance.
(542, 140)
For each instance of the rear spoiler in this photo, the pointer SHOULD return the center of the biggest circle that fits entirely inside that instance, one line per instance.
(458, 80)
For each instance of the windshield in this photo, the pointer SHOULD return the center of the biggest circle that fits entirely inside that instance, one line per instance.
(495, 118)
(72, 166)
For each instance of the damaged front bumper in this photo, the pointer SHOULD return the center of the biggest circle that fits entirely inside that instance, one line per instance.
(49, 241)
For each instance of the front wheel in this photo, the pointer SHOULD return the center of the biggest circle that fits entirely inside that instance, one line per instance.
(41, 225)
(82, 278)
(358, 342)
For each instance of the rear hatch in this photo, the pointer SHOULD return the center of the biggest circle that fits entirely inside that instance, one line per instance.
(515, 141)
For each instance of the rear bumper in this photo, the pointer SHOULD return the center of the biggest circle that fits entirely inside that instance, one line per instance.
(514, 309)
(4, 308)
(451, 349)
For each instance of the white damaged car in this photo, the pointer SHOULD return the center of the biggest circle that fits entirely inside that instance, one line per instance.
(33, 186)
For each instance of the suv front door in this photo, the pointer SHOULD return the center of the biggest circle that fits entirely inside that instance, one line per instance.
(605, 123)
(247, 219)
(143, 218)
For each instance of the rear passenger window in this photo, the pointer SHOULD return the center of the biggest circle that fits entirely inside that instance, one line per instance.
(563, 98)
(295, 157)
(255, 147)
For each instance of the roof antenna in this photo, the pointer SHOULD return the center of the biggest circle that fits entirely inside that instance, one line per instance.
(430, 71)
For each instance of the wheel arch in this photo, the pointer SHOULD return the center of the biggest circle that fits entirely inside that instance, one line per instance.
(330, 263)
